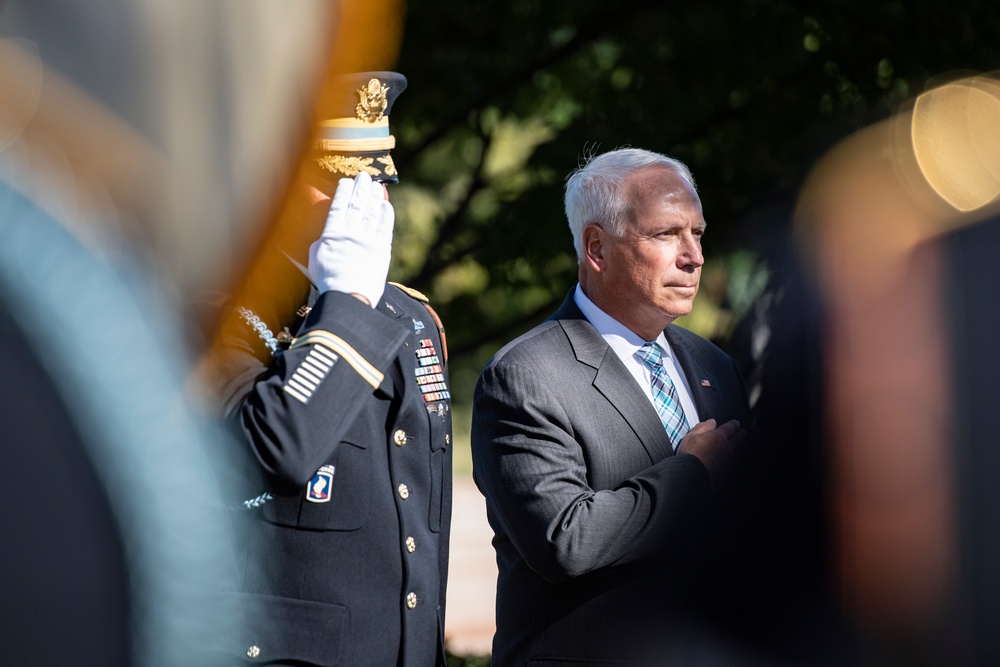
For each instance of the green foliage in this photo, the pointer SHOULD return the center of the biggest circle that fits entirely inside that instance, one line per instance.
(505, 98)
(467, 660)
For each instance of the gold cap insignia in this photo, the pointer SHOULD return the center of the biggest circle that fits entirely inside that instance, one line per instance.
(372, 101)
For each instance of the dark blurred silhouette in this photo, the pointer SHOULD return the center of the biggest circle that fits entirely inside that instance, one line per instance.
(878, 379)
(145, 148)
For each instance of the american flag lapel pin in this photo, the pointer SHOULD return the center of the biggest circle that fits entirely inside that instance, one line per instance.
(706, 383)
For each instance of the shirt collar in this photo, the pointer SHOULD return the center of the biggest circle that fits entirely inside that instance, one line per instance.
(619, 336)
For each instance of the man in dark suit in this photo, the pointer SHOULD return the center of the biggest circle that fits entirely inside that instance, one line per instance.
(602, 438)
(343, 402)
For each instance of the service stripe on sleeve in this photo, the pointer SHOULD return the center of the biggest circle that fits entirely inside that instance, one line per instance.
(369, 373)
(312, 370)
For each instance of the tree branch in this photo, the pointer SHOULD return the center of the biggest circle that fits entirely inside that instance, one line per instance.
(433, 262)
(600, 23)
(504, 328)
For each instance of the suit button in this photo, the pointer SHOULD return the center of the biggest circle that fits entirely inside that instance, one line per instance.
(411, 600)
(253, 652)
(447, 438)
(404, 491)
(411, 544)
(399, 437)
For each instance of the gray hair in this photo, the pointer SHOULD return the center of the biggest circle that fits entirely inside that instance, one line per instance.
(595, 191)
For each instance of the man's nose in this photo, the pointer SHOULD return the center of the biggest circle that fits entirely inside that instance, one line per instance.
(691, 254)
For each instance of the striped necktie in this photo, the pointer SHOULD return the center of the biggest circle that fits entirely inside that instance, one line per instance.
(668, 406)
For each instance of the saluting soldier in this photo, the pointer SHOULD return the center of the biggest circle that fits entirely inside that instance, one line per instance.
(338, 382)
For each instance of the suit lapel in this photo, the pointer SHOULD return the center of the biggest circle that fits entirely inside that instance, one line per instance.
(613, 380)
(704, 388)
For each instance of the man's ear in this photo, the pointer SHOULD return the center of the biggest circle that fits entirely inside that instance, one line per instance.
(594, 238)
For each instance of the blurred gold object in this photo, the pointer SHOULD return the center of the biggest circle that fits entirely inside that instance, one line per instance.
(363, 36)
(869, 220)
(955, 132)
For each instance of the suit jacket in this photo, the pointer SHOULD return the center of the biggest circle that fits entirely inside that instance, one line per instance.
(349, 430)
(596, 520)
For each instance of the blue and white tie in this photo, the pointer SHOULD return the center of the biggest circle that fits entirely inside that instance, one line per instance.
(668, 406)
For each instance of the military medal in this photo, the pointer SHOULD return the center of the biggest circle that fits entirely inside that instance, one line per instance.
(429, 372)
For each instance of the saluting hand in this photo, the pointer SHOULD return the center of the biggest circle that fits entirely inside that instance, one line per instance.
(352, 254)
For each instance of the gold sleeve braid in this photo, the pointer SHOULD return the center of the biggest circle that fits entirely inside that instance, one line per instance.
(369, 373)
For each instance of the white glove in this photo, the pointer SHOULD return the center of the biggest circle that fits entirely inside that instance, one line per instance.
(352, 254)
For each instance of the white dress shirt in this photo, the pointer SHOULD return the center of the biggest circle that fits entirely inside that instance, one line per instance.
(626, 344)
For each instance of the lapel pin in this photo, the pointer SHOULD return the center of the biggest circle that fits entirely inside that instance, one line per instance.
(706, 383)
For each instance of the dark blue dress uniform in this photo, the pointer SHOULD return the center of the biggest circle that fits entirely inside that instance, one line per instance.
(350, 430)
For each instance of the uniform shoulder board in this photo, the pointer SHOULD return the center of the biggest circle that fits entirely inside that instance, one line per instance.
(416, 294)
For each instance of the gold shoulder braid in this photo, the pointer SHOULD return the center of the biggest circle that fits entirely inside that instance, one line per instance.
(422, 298)
(416, 294)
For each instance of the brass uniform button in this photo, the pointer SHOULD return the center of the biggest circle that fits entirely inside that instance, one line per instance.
(411, 544)
(411, 600)
(399, 437)
(253, 652)
(404, 491)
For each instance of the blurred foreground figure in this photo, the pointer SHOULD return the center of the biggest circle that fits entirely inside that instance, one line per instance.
(121, 189)
(337, 382)
(899, 228)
